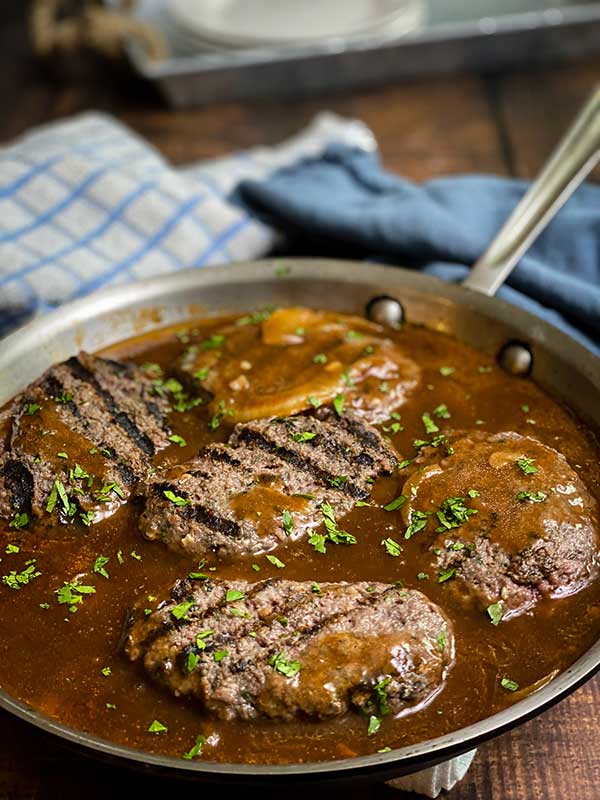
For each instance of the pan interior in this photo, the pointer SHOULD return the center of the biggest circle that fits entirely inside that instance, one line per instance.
(559, 366)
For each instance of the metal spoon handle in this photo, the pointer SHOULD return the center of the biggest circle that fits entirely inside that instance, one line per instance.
(573, 159)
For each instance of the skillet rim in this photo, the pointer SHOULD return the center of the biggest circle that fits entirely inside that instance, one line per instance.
(402, 760)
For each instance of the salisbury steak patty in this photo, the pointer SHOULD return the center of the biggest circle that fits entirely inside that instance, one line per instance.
(284, 649)
(84, 432)
(274, 479)
(507, 517)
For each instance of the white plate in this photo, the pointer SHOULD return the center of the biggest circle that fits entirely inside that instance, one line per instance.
(255, 23)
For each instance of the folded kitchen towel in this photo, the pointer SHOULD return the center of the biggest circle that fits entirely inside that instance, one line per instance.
(344, 202)
(86, 203)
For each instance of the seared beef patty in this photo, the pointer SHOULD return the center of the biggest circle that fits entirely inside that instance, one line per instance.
(273, 480)
(280, 363)
(119, 422)
(285, 649)
(507, 517)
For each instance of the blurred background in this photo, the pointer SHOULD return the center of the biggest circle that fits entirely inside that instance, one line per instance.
(446, 86)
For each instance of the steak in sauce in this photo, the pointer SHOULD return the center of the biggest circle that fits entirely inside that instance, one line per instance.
(507, 517)
(293, 358)
(286, 649)
(275, 479)
(80, 436)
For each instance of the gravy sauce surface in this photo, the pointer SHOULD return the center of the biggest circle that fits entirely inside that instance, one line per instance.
(69, 663)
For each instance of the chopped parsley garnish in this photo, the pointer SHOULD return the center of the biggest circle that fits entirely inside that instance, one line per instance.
(20, 520)
(526, 465)
(441, 412)
(219, 655)
(152, 368)
(532, 497)
(287, 522)
(453, 513)
(157, 727)
(135, 555)
(446, 574)
(63, 397)
(509, 685)
(404, 464)
(396, 503)
(275, 561)
(31, 408)
(255, 567)
(201, 374)
(394, 428)
(392, 547)
(255, 318)
(180, 611)
(316, 589)
(176, 499)
(99, 565)
(14, 580)
(305, 436)
(381, 697)
(219, 416)
(320, 358)
(441, 640)
(57, 492)
(473, 493)
(418, 520)
(334, 534)
(120, 558)
(11, 549)
(385, 750)
(106, 671)
(103, 494)
(176, 439)
(347, 379)
(233, 595)
(422, 576)
(214, 342)
(313, 401)
(374, 725)
(446, 371)
(72, 593)
(196, 750)
(87, 518)
(429, 424)
(192, 661)
(495, 613)
(338, 481)
(200, 639)
(362, 504)
(338, 404)
(281, 664)
(282, 272)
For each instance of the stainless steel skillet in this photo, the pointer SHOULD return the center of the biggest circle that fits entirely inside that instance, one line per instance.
(556, 362)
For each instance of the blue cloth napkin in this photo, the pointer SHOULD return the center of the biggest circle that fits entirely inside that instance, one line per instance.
(345, 203)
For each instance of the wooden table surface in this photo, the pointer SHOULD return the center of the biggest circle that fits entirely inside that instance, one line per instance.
(502, 123)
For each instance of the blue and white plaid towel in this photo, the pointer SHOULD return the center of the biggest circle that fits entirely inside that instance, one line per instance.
(86, 203)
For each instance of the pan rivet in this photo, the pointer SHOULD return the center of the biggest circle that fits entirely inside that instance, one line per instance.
(385, 310)
(515, 358)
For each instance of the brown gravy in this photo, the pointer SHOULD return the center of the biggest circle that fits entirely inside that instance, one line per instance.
(70, 666)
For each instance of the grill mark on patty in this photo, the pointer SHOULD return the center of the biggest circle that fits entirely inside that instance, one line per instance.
(54, 388)
(138, 437)
(198, 511)
(183, 589)
(305, 632)
(19, 482)
(365, 437)
(325, 478)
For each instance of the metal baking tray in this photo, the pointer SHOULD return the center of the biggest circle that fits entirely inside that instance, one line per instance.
(451, 36)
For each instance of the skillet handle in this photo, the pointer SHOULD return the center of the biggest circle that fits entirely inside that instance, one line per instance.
(575, 156)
